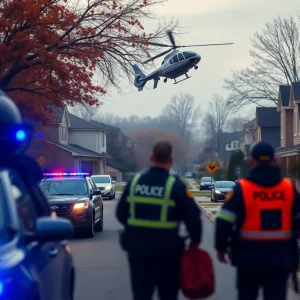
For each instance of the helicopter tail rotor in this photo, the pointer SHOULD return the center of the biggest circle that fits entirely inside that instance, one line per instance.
(140, 77)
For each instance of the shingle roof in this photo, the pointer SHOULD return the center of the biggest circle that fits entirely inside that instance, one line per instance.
(226, 137)
(104, 126)
(288, 149)
(82, 151)
(78, 123)
(284, 91)
(296, 90)
(58, 113)
(267, 117)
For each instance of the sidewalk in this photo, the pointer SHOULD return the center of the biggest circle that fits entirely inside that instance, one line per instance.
(209, 209)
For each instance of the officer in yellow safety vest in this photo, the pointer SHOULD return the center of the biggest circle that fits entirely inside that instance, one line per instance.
(151, 209)
(255, 227)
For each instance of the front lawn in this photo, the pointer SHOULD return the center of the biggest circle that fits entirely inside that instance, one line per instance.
(120, 187)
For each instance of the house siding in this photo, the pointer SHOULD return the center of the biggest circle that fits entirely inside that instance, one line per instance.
(271, 135)
(88, 139)
(54, 156)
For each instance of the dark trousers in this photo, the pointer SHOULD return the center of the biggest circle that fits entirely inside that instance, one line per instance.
(158, 272)
(272, 281)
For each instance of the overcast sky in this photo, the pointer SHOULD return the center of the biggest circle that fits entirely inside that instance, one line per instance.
(207, 21)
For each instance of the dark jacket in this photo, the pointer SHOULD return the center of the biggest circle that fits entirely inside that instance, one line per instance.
(256, 254)
(150, 241)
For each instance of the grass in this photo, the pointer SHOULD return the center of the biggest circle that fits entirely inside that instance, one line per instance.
(120, 187)
(199, 193)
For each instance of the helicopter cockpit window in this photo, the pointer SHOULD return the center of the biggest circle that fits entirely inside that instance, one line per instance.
(180, 56)
(175, 58)
(188, 54)
(171, 61)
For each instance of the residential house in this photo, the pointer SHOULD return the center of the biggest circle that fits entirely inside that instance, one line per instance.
(288, 107)
(122, 150)
(70, 143)
(229, 141)
(248, 136)
(267, 124)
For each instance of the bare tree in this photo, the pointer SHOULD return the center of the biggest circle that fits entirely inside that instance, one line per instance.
(85, 111)
(107, 118)
(275, 60)
(236, 123)
(215, 120)
(184, 115)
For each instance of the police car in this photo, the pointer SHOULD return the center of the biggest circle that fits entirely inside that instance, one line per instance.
(76, 197)
(35, 259)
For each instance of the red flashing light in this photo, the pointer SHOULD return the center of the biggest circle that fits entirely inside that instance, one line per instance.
(67, 174)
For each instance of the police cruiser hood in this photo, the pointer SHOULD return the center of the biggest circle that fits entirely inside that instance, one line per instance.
(66, 198)
(265, 175)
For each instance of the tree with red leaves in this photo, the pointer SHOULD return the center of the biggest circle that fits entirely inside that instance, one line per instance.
(69, 51)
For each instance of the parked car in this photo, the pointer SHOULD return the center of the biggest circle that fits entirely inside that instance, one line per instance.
(35, 260)
(221, 189)
(106, 185)
(188, 175)
(206, 183)
(76, 197)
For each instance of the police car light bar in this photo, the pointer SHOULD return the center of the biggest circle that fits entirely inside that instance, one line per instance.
(66, 174)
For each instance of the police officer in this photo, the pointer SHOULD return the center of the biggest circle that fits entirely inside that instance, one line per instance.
(254, 228)
(13, 132)
(151, 208)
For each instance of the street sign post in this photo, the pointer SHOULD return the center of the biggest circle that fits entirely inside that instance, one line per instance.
(211, 167)
(238, 171)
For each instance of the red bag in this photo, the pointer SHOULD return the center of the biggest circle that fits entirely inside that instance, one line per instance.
(197, 274)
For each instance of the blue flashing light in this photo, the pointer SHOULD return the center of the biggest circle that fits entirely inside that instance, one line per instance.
(21, 135)
(67, 174)
(1, 287)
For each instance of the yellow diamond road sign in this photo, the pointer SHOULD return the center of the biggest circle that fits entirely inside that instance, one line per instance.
(41, 160)
(211, 167)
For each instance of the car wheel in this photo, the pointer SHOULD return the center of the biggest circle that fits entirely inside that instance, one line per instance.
(111, 197)
(99, 225)
(91, 229)
(72, 285)
(114, 195)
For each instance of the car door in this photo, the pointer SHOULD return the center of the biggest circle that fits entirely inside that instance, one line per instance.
(96, 199)
(45, 260)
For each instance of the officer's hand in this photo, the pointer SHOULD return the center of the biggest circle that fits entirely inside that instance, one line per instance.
(222, 257)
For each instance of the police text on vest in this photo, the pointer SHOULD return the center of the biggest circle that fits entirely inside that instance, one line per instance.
(154, 191)
(269, 196)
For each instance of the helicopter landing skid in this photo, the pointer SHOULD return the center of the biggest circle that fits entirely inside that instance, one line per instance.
(187, 77)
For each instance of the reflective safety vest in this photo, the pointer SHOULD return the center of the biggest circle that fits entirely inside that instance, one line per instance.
(268, 211)
(165, 203)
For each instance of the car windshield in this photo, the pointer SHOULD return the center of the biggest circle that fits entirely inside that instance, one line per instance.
(101, 179)
(224, 185)
(64, 187)
(207, 179)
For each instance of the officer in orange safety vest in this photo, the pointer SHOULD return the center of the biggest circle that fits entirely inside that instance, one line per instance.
(254, 228)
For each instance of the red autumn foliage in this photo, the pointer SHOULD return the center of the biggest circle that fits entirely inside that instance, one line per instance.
(51, 50)
(144, 141)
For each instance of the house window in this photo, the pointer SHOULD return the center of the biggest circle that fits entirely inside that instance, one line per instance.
(282, 124)
(229, 146)
(102, 139)
(63, 133)
(296, 121)
(234, 145)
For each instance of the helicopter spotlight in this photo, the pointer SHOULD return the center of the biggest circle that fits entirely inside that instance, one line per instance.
(174, 65)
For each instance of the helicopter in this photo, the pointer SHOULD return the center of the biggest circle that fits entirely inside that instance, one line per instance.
(174, 65)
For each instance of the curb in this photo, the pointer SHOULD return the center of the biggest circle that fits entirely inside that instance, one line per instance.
(207, 213)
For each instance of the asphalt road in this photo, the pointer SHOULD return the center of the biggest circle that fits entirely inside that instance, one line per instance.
(102, 270)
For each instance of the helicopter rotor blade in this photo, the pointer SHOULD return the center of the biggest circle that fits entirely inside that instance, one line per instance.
(171, 37)
(157, 56)
(204, 45)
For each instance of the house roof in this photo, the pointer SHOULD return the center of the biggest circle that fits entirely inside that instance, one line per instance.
(249, 124)
(284, 91)
(288, 149)
(267, 117)
(78, 123)
(58, 113)
(81, 151)
(226, 137)
(107, 127)
(296, 90)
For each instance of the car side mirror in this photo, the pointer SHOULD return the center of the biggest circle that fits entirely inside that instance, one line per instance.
(53, 229)
(96, 193)
(113, 182)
